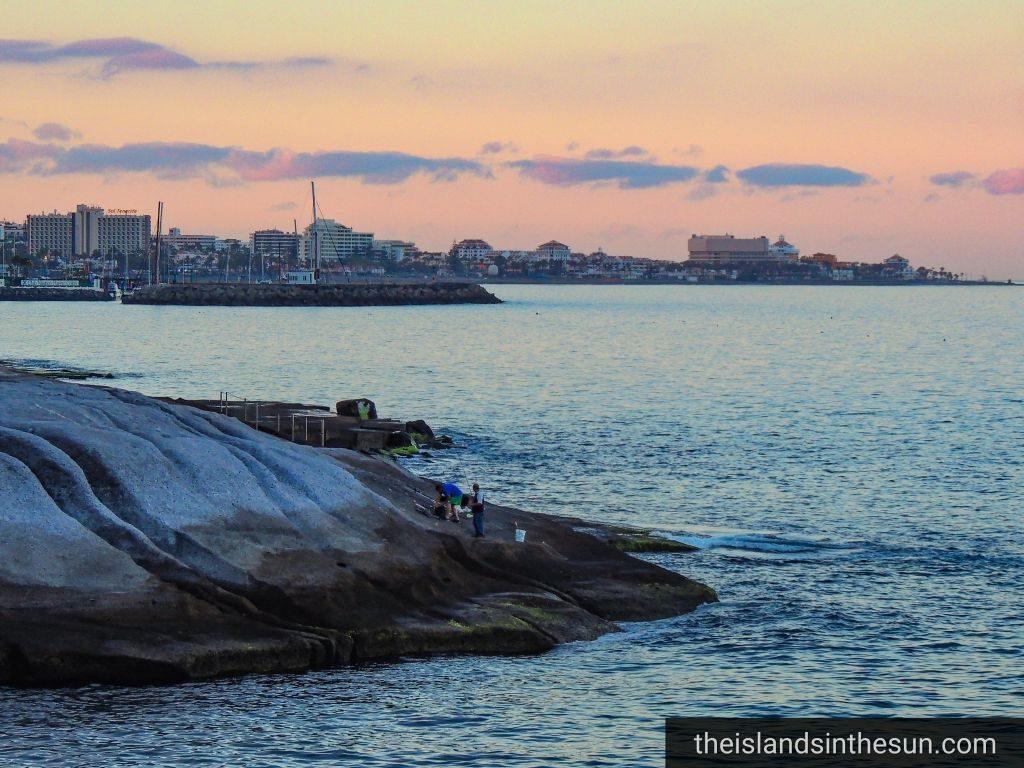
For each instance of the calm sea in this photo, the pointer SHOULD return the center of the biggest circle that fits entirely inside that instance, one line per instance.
(848, 459)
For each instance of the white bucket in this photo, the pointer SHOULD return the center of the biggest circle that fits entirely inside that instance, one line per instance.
(520, 535)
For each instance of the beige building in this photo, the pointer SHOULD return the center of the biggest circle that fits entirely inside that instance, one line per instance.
(87, 230)
(726, 248)
(52, 232)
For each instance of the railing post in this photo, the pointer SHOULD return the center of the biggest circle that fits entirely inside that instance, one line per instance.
(307, 428)
(293, 427)
(323, 432)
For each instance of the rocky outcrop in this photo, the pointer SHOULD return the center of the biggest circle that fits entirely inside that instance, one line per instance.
(143, 541)
(345, 295)
(52, 294)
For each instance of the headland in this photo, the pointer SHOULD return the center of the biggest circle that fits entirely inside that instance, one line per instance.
(147, 541)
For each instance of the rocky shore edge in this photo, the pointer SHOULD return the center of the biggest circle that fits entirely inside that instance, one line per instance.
(144, 541)
(341, 295)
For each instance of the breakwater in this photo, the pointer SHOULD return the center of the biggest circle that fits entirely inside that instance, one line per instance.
(346, 295)
(51, 294)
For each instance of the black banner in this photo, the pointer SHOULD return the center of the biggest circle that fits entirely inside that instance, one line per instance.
(859, 742)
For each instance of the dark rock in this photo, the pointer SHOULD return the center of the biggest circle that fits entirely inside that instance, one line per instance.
(420, 430)
(360, 408)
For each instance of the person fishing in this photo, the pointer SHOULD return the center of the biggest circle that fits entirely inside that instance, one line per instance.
(476, 506)
(455, 497)
(442, 504)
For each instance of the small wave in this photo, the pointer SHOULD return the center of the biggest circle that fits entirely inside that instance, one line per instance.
(765, 543)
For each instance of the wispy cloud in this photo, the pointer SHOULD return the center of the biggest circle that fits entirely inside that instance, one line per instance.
(952, 179)
(123, 54)
(797, 175)
(221, 165)
(498, 147)
(1006, 182)
(567, 172)
(54, 132)
(616, 154)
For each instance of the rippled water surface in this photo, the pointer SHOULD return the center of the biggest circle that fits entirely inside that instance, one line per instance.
(849, 460)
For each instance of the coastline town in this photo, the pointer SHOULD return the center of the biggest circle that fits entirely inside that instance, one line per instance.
(92, 243)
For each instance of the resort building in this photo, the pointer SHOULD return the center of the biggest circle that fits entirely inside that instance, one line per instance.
(335, 242)
(50, 232)
(274, 244)
(473, 250)
(394, 250)
(88, 230)
(182, 242)
(784, 251)
(726, 248)
(553, 251)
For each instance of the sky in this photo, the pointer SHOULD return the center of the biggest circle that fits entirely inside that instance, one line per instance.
(859, 129)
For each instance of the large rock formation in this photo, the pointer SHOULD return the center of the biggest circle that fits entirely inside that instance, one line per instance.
(341, 295)
(142, 541)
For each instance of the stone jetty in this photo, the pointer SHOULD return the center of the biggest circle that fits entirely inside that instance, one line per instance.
(145, 541)
(341, 295)
(11, 293)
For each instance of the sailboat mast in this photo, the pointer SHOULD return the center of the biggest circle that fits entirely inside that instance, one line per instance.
(316, 238)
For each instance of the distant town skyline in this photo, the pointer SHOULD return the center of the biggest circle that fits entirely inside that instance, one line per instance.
(860, 130)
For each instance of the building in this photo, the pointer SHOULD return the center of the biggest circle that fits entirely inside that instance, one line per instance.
(11, 231)
(472, 250)
(553, 251)
(335, 242)
(175, 239)
(88, 230)
(274, 244)
(726, 248)
(118, 234)
(50, 232)
(898, 267)
(784, 251)
(394, 250)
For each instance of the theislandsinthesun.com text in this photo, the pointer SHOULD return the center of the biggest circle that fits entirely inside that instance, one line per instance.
(861, 742)
(851, 744)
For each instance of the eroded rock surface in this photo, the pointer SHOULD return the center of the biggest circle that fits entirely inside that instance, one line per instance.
(142, 541)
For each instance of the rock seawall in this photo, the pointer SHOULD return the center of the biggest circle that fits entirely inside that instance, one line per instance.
(346, 295)
(143, 541)
(51, 294)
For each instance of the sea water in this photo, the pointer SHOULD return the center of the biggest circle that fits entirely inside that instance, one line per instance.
(847, 459)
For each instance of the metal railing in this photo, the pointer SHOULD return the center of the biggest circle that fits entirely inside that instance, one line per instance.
(248, 412)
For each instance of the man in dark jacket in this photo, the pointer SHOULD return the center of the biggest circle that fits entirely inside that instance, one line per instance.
(476, 506)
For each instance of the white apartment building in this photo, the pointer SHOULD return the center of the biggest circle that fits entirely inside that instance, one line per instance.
(553, 251)
(473, 249)
(335, 242)
(176, 239)
(394, 250)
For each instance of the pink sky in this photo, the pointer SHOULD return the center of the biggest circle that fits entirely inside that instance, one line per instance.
(853, 128)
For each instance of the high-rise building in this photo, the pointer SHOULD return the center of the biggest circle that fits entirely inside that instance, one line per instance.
(122, 233)
(50, 232)
(335, 242)
(88, 230)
